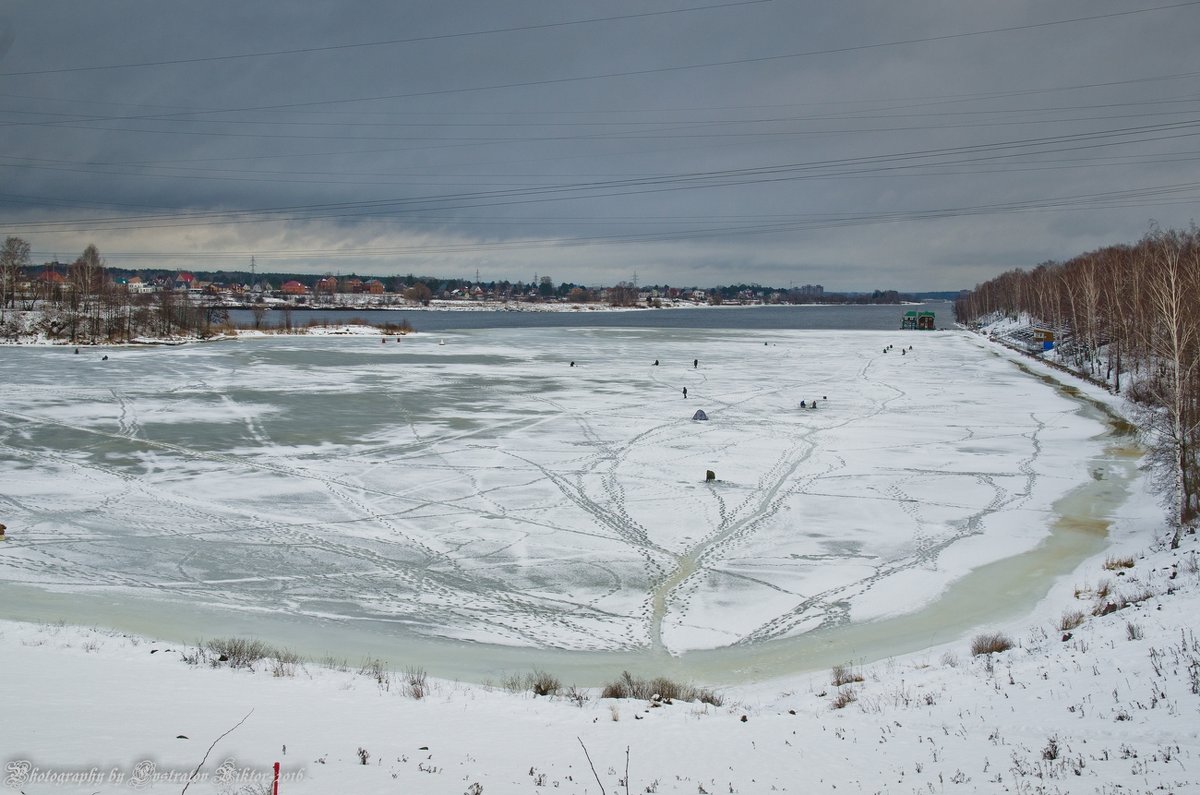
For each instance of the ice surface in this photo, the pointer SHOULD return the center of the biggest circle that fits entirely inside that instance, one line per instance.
(487, 490)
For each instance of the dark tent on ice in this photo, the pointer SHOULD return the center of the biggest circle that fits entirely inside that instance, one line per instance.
(699, 415)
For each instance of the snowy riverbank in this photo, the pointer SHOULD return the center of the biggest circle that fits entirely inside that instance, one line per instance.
(1111, 708)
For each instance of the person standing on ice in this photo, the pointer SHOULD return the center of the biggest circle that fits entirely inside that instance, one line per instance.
(685, 393)
(695, 363)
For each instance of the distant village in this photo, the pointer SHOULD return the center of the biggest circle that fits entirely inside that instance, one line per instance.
(87, 301)
(247, 289)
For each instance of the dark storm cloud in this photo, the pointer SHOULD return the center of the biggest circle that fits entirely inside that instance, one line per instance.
(871, 144)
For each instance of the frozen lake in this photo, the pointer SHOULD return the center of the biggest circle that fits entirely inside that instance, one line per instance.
(343, 493)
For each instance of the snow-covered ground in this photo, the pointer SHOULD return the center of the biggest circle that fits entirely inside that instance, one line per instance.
(1113, 708)
(916, 477)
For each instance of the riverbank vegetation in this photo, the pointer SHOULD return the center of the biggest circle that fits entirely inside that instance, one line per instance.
(86, 305)
(1127, 316)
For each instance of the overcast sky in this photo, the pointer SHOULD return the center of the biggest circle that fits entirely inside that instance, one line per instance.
(926, 144)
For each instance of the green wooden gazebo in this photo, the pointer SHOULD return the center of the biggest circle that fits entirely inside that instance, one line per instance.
(918, 321)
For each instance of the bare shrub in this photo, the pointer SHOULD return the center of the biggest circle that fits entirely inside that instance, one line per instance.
(1133, 597)
(415, 683)
(579, 697)
(238, 652)
(990, 643)
(624, 687)
(284, 662)
(544, 684)
(538, 682)
(403, 327)
(376, 669)
(515, 683)
(629, 686)
(1121, 601)
(1112, 562)
(1133, 631)
(843, 698)
(198, 655)
(1071, 619)
(335, 663)
(844, 675)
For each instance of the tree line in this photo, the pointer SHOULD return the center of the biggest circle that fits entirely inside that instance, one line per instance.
(1128, 316)
(87, 306)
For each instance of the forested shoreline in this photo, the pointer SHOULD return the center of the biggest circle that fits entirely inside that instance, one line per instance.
(1126, 315)
(86, 306)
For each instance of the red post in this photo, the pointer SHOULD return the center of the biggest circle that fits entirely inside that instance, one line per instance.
(275, 783)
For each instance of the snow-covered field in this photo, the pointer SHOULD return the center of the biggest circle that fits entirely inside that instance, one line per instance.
(486, 489)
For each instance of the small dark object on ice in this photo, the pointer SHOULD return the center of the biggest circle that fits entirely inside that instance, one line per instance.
(709, 475)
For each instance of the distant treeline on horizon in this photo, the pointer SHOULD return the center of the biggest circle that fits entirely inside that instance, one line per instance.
(805, 293)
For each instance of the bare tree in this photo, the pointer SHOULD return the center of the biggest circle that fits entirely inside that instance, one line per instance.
(14, 258)
(1135, 306)
(623, 294)
(419, 292)
(1170, 386)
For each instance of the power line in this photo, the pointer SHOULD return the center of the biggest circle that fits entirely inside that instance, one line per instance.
(1135, 197)
(866, 164)
(384, 42)
(662, 69)
(715, 64)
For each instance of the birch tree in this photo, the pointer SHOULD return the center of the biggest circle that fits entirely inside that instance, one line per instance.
(1169, 389)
